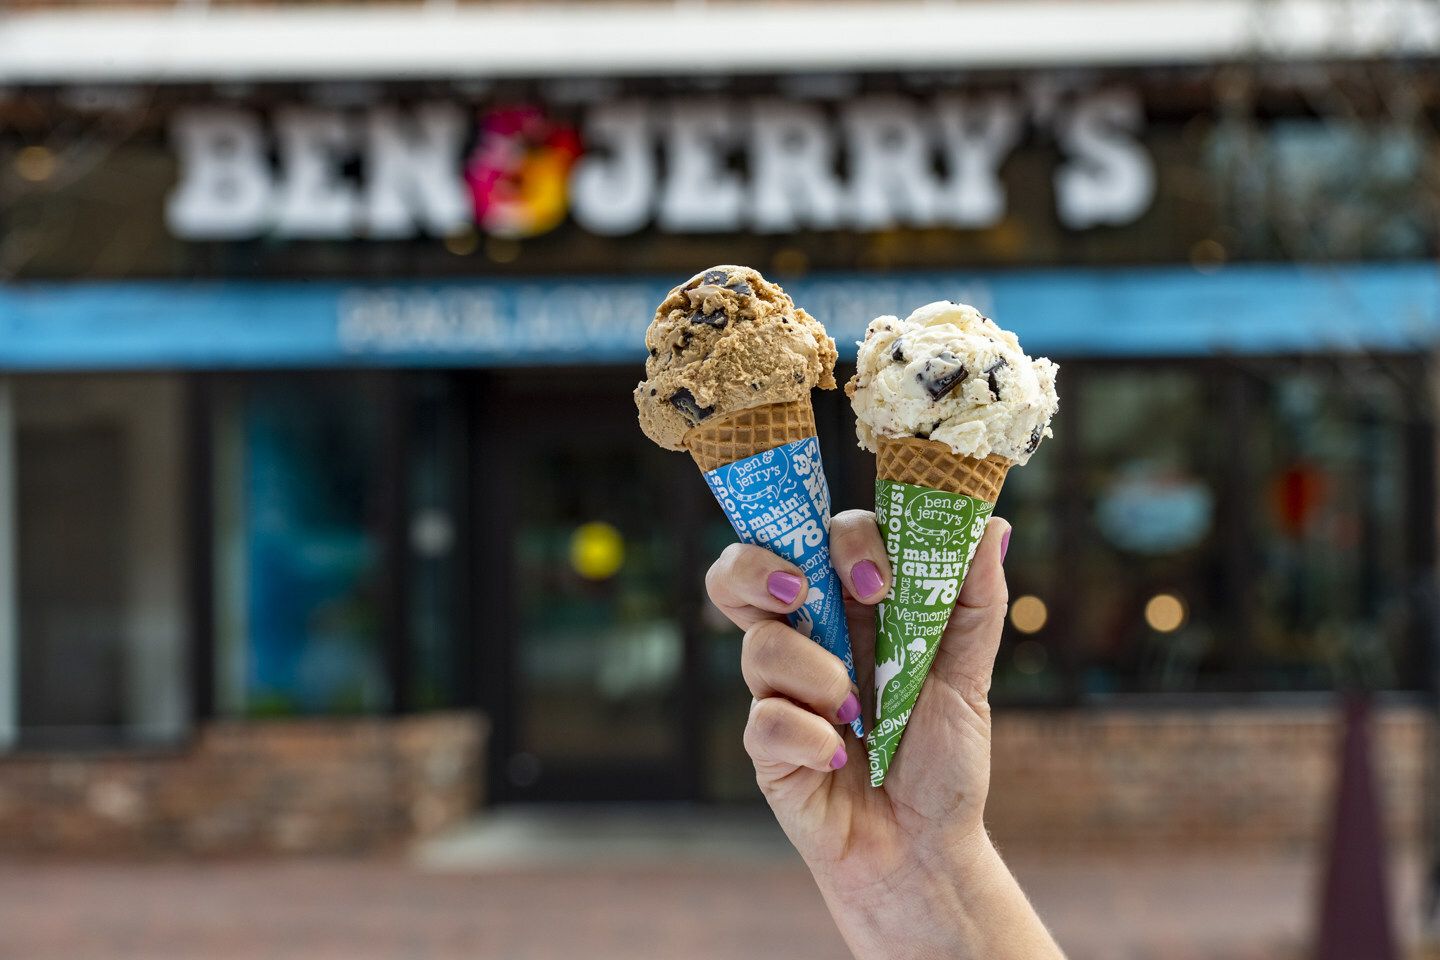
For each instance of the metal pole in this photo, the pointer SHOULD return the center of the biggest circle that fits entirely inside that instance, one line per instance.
(9, 614)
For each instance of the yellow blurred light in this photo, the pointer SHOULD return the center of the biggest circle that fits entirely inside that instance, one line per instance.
(35, 164)
(1165, 612)
(1028, 614)
(462, 243)
(597, 551)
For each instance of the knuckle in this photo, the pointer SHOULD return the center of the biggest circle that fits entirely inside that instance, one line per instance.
(765, 727)
(853, 519)
(762, 643)
(850, 526)
(722, 569)
(837, 685)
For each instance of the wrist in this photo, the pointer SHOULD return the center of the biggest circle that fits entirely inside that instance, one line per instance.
(923, 904)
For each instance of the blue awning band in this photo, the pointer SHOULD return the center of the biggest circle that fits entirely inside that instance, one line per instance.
(1067, 313)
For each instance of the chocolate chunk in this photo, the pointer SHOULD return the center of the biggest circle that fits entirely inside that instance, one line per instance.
(684, 401)
(897, 353)
(740, 287)
(654, 352)
(990, 372)
(942, 375)
(715, 318)
(717, 277)
(1035, 436)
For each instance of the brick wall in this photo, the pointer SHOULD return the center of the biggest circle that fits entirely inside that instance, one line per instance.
(1209, 777)
(314, 786)
(1143, 778)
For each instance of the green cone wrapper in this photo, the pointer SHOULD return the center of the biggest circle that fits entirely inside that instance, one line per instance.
(930, 537)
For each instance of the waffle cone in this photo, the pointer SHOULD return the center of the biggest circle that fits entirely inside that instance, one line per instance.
(926, 463)
(742, 434)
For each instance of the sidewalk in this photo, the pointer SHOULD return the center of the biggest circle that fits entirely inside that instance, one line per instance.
(663, 884)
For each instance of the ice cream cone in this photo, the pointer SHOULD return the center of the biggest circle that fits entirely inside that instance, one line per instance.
(763, 465)
(722, 440)
(932, 506)
(925, 463)
(949, 402)
(732, 363)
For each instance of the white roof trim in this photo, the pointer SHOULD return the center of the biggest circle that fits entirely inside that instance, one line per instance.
(192, 43)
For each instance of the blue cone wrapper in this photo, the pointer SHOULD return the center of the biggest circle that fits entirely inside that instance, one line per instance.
(779, 499)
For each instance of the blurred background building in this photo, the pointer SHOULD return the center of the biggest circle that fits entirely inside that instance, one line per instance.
(325, 519)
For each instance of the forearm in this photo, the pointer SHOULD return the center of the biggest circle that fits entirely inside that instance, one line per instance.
(964, 906)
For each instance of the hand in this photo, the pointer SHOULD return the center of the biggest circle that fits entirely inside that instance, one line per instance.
(907, 869)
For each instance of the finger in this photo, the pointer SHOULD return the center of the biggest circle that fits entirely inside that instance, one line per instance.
(779, 661)
(858, 555)
(781, 732)
(972, 638)
(749, 584)
(860, 618)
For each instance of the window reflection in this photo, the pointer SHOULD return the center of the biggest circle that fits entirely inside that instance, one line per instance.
(1331, 567)
(298, 554)
(1030, 665)
(1152, 443)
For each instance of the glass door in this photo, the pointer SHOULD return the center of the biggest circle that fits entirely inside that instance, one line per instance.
(599, 695)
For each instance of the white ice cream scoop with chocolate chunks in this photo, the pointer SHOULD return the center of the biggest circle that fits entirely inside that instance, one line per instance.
(948, 373)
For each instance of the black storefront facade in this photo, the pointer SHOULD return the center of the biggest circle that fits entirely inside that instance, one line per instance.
(336, 380)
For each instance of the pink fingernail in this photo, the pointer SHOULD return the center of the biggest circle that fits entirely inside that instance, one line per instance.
(1004, 545)
(866, 577)
(784, 587)
(849, 710)
(838, 761)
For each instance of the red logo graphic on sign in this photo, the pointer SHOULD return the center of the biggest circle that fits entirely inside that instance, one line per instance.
(519, 171)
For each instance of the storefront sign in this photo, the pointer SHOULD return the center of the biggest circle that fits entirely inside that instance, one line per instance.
(684, 166)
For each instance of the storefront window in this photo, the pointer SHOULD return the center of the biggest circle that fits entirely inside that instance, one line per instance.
(1146, 573)
(96, 490)
(436, 458)
(1241, 528)
(1329, 188)
(1031, 664)
(1332, 589)
(298, 556)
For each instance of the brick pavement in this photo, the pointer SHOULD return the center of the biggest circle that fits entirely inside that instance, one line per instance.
(1217, 907)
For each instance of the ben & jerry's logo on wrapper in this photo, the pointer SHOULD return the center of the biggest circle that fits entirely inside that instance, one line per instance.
(761, 475)
(931, 516)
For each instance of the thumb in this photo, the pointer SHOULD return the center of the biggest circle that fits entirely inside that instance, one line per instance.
(966, 657)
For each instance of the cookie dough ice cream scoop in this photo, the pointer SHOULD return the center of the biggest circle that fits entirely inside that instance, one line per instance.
(731, 365)
(948, 402)
(726, 341)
